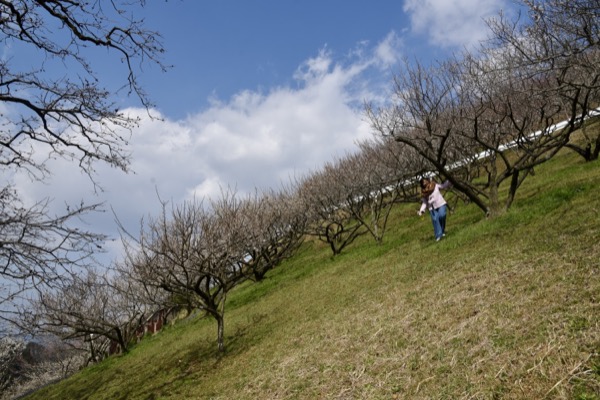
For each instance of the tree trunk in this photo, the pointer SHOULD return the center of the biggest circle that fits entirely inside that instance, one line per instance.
(514, 184)
(220, 333)
(494, 208)
(596, 152)
(121, 340)
(589, 153)
(220, 317)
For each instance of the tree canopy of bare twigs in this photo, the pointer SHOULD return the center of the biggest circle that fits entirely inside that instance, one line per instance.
(56, 106)
(275, 226)
(191, 253)
(90, 310)
(353, 195)
(324, 197)
(380, 175)
(38, 249)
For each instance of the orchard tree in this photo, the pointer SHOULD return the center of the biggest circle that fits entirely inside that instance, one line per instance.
(275, 228)
(513, 120)
(363, 191)
(380, 175)
(324, 198)
(56, 104)
(424, 115)
(190, 255)
(88, 309)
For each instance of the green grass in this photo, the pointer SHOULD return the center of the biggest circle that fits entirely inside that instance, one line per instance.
(501, 309)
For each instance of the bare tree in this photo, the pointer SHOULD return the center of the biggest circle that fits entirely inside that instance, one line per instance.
(89, 308)
(55, 106)
(275, 227)
(329, 219)
(513, 119)
(38, 249)
(496, 113)
(380, 175)
(191, 254)
(424, 114)
(68, 114)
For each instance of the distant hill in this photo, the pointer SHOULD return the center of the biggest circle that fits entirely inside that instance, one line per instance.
(23, 365)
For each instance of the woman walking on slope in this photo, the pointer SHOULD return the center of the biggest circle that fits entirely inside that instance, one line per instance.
(432, 199)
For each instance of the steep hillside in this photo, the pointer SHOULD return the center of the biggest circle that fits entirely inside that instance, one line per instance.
(500, 309)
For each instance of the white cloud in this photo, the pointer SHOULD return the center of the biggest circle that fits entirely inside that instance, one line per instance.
(388, 50)
(450, 23)
(253, 140)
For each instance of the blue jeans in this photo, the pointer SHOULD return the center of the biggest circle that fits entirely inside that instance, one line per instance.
(438, 218)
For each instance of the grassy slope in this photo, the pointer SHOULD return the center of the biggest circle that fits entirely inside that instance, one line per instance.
(507, 308)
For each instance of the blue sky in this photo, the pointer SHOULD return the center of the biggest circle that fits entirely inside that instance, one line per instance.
(218, 48)
(260, 91)
(222, 47)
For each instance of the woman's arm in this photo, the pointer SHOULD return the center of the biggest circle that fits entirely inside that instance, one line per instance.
(445, 185)
(423, 207)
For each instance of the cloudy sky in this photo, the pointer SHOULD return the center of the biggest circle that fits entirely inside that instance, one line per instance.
(261, 91)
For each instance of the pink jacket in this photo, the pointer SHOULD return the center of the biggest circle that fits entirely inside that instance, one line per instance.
(435, 199)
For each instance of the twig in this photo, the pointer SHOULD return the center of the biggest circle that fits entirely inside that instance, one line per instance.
(499, 372)
(568, 376)
(423, 381)
(376, 333)
(550, 348)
